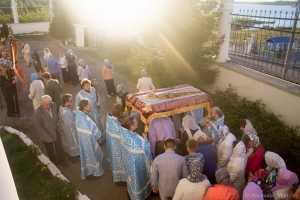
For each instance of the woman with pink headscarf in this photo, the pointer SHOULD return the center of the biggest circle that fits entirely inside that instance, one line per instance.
(285, 179)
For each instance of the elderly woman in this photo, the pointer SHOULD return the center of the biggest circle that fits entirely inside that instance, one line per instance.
(37, 90)
(247, 128)
(285, 179)
(224, 148)
(108, 77)
(145, 83)
(237, 165)
(255, 153)
(253, 192)
(53, 67)
(71, 67)
(222, 190)
(122, 94)
(83, 71)
(195, 185)
(37, 62)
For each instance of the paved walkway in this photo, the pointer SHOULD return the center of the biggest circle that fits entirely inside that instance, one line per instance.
(100, 188)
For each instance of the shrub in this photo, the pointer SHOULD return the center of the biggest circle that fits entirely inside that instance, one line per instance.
(274, 134)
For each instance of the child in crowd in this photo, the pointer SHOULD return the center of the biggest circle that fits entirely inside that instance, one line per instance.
(192, 146)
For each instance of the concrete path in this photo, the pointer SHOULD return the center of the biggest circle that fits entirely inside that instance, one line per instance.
(100, 188)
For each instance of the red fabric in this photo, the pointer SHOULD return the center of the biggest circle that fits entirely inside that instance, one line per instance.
(221, 192)
(163, 106)
(254, 162)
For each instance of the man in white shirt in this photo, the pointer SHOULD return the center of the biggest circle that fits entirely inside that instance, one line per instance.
(63, 67)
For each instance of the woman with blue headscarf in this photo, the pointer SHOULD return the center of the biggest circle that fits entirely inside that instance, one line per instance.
(36, 90)
(108, 77)
(145, 83)
(37, 62)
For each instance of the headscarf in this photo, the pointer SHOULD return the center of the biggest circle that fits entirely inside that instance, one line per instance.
(121, 89)
(285, 178)
(196, 168)
(144, 73)
(189, 123)
(238, 154)
(253, 192)
(249, 128)
(34, 76)
(50, 56)
(222, 177)
(254, 143)
(223, 131)
(274, 161)
(34, 50)
(107, 64)
(69, 51)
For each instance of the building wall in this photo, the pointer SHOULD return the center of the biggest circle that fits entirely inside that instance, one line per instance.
(30, 27)
(281, 97)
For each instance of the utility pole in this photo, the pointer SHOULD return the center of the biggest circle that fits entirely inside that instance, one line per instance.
(290, 47)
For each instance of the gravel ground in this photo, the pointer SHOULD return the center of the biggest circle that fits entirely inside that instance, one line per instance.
(102, 187)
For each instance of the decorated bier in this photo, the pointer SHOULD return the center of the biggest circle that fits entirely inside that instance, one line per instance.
(167, 101)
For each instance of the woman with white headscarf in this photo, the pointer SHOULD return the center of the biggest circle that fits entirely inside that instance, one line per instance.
(108, 77)
(189, 129)
(195, 185)
(224, 148)
(37, 90)
(145, 83)
(247, 128)
(237, 165)
(255, 153)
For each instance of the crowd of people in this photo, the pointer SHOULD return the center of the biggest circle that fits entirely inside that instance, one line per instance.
(203, 161)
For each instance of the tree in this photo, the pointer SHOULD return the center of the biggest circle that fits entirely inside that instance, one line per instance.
(61, 26)
(181, 33)
(4, 31)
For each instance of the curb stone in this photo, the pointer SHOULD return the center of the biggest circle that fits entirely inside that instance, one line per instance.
(44, 159)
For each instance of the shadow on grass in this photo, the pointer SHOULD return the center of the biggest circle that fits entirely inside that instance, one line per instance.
(32, 178)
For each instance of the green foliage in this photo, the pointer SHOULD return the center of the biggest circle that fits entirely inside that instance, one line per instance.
(61, 26)
(4, 31)
(42, 14)
(179, 45)
(30, 175)
(274, 134)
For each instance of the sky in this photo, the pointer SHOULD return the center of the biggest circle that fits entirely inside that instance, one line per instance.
(254, 0)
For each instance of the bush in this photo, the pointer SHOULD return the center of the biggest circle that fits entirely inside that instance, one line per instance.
(32, 178)
(274, 134)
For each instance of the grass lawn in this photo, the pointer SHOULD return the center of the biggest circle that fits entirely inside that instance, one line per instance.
(32, 178)
(44, 37)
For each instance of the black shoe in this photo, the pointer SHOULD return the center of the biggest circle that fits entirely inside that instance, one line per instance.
(15, 112)
(12, 115)
(63, 163)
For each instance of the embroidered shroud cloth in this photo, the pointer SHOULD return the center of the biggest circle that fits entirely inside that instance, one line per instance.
(129, 157)
(93, 114)
(90, 151)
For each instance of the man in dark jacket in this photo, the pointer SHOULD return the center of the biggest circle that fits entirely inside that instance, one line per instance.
(7, 88)
(53, 89)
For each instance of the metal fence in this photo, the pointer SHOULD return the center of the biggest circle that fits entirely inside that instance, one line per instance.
(267, 41)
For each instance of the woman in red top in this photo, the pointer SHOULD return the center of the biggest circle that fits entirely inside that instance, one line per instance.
(255, 153)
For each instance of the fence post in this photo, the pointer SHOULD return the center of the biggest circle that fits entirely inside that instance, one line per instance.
(51, 9)
(290, 47)
(14, 11)
(224, 29)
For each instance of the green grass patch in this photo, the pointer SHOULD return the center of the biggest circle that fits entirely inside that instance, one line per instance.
(44, 37)
(266, 51)
(32, 178)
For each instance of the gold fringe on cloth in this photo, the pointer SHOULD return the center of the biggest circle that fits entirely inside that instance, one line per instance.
(167, 113)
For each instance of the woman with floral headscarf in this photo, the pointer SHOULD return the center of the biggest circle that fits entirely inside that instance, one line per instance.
(223, 189)
(284, 180)
(247, 128)
(237, 165)
(122, 94)
(195, 185)
(255, 153)
(37, 90)
(224, 148)
(108, 77)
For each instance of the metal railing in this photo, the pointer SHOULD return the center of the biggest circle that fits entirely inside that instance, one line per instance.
(267, 41)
